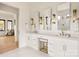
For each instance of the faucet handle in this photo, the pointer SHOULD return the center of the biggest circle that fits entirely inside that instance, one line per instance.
(69, 35)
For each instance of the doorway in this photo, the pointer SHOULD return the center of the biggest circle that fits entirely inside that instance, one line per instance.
(8, 28)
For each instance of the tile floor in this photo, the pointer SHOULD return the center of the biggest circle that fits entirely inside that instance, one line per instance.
(24, 52)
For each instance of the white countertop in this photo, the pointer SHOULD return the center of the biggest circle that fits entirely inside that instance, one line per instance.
(52, 35)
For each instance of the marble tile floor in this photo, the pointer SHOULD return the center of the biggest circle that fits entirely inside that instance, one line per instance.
(24, 52)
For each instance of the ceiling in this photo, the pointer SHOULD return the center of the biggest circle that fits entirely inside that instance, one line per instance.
(41, 5)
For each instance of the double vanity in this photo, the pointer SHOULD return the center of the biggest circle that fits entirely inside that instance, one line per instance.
(55, 46)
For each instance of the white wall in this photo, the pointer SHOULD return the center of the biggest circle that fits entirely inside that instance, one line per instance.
(42, 7)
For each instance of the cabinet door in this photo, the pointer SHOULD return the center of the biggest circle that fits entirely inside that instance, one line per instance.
(55, 47)
(71, 48)
(59, 47)
(51, 48)
(33, 42)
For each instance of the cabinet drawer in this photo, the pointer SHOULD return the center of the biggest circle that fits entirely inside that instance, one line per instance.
(56, 54)
(50, 51)
(50, 43)
(71, 53)
(51, 47)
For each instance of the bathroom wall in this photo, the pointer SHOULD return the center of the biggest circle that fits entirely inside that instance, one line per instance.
(42, 7)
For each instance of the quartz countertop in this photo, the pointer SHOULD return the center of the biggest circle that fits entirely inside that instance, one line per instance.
(55, 35)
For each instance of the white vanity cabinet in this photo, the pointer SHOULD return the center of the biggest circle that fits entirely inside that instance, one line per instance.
(55, 47)
(59, 47)
(71, 47)
(33, 41)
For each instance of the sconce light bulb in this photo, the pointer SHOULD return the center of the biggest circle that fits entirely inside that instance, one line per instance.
(68, 15)
(59, 17)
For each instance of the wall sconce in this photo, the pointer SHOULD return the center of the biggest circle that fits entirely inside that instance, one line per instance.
(46, 20)
(59, 17)
(74, 12)
(40, 21)
(32, 21)
(54, 15)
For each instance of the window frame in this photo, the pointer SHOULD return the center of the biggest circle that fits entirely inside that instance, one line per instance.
(4, 24)
(7, 23)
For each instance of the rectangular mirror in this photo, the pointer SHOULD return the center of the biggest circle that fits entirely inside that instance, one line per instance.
(53, 20)
(44, 19)
(63, 16)
(75, 17)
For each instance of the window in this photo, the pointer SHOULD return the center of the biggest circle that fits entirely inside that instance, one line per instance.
(9, 24)
(2, 25)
